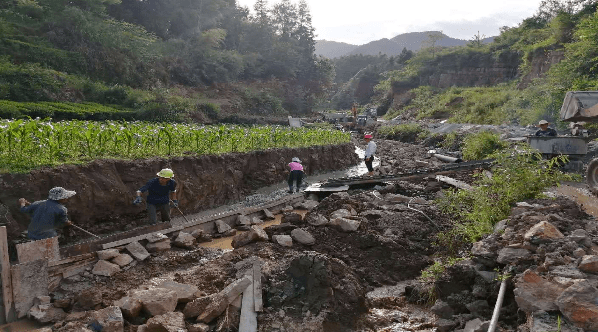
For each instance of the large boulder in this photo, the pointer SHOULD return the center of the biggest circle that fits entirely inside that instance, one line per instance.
(589, 264)
(303, 237)
(184, 240)
(533, 293)
(122, 260)
(513, 255)
(185, 292)
(105, 268)
(254, 234)
(156, 301)
(46, 313)
(108, 254)
(221, 226)
(543, 232)
(130, 307)
(283, 240)
(109, 319)
(171, 321)
(161, 245)
(197, 306)
(137, 250)
(316, 219)
(578, 303)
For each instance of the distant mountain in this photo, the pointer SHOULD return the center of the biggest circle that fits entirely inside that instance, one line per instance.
(413, 41)
(384, 46)
(332, 49)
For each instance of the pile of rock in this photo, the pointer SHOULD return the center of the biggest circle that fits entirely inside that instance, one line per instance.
(549, 249)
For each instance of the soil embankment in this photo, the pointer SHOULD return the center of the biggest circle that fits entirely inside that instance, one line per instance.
(106, 188)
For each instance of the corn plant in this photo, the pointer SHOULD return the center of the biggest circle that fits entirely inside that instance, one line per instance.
(28, 144)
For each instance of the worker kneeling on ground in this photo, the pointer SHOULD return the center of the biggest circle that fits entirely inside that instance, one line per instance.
(296, 174)
(47, 215)
(544, 130)
(161, 190)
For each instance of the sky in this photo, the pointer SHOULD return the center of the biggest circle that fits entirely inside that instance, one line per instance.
(361, 21)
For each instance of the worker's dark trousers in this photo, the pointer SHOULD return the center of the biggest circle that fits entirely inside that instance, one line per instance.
(368, 163)
(295, 176)
(152, 212)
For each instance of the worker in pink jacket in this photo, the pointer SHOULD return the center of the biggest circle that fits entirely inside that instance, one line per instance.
(296, 174)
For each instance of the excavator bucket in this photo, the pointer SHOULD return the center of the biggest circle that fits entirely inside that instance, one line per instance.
(580, 106)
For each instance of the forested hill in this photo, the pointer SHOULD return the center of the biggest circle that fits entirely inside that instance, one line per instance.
(124, 52)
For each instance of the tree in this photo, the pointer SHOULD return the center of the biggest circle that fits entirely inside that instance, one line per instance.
(477, 40)
(432, 39)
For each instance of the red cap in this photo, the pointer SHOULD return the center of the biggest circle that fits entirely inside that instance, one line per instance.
(367, 136)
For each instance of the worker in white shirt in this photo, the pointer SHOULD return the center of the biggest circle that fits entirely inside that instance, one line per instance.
(369, 153)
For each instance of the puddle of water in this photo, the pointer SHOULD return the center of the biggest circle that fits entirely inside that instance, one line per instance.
(581, 195)
(22, 325)
(225, 242)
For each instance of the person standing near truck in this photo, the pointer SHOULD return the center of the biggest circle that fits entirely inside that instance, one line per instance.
(47, 215)
(370, 150)
(161, 190)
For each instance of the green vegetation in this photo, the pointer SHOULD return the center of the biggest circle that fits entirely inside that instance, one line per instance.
(482, 145)
(56, 50)
(408, 132)
(28, 144)
(63, 111)
(513, 179)
(562, 32)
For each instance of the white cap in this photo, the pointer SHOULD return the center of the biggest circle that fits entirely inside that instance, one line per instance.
(295, 159)
(58, 193)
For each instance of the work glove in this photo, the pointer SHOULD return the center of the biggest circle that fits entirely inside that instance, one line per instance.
(175, 203)
(138, 200)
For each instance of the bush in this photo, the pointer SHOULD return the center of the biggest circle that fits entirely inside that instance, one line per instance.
(409, 132)
(514, 179)
(482, 145)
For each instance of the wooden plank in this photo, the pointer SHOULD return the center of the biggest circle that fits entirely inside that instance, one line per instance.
(248, 319)
(257, 286)
(72, 259)
(66, 269)
(7, 294)
(40, 249)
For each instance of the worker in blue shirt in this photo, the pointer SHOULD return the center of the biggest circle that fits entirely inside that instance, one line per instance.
(161, 190)
(47, 215)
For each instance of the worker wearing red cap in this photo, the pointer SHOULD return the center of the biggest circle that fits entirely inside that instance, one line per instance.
(370, 150)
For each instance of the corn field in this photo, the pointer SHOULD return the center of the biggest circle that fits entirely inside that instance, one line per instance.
(29, 144)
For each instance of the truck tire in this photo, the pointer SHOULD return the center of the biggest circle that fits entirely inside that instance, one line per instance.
(592, 175)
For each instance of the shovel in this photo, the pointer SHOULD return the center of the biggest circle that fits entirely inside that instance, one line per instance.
(81, 229)
(180, 211)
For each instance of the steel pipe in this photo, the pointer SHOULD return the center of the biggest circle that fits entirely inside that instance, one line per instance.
(501, 295)
(447, 159)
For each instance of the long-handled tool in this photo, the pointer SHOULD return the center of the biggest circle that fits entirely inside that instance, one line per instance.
(81, 229)
(177, 207)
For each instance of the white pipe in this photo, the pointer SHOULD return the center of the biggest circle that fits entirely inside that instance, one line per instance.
(501, 295)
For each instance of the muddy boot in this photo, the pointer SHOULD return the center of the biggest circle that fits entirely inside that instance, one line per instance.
(290, 190)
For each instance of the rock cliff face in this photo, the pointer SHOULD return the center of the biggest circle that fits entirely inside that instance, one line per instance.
(540, 64)
(106, 188)
(471, 76)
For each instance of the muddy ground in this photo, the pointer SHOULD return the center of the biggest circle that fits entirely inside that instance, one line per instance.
(328, 285)
(319, 287)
